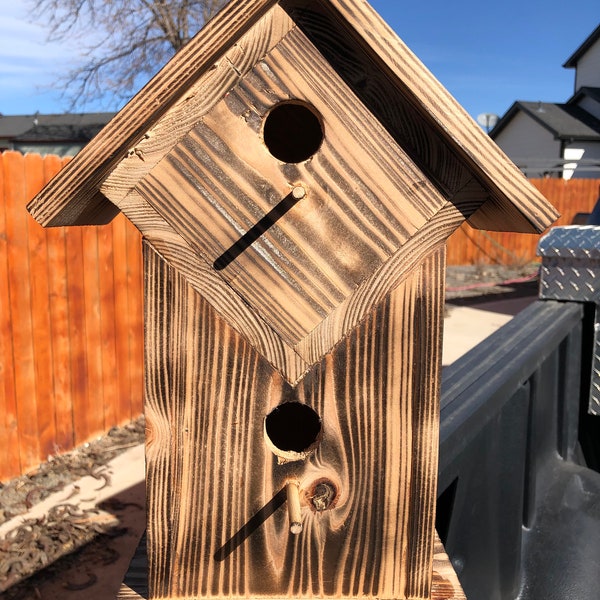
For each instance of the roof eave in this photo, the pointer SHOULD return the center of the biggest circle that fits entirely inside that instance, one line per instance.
(571, 62)
(69, 198)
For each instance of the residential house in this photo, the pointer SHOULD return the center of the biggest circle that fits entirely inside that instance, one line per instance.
(547, 139)
(63, 135)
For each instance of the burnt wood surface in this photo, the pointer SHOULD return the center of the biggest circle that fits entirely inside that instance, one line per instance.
(444, 584)
(426, 121)
(220, 180)
(210, 473)
(361, 228)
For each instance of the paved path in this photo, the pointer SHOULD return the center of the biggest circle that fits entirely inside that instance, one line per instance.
(468, 321)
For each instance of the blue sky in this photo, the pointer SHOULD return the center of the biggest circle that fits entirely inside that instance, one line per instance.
(487, 55)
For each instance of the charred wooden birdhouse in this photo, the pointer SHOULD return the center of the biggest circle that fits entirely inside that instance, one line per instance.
(295, 173)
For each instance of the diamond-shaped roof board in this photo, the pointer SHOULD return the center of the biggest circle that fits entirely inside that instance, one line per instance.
(396, 167)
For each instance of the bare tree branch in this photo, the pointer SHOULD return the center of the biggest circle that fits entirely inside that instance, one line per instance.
(121, 43)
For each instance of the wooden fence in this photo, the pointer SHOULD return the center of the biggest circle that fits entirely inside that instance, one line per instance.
(469, 246)
(71, 330)
(71, 353)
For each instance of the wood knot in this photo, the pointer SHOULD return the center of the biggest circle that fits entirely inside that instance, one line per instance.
(323, 495)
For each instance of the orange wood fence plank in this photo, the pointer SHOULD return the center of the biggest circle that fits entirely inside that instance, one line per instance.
(469, 246)
(136, 316)
(121, 316)
(70, 324)
(40, 313)
(61, 342)
(21, 308)
(106, 298)
(10, 460)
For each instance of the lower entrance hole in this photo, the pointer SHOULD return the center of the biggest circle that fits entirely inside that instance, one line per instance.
(292, 431)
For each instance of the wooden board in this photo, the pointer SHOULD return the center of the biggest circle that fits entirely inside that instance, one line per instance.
(209, 472)
(445, 141)
(293, 362)
(71, 353)
(73, 197)
(444, 586)
(21, 361)
(364, 195)
(335, 254)
(420, 113)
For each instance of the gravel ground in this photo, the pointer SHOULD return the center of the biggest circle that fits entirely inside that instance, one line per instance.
(65, 548)
(479, 280)
(32, 540)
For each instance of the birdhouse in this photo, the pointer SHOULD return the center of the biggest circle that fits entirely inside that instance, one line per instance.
(295, 173)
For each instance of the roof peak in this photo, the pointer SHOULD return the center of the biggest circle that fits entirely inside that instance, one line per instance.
(571, 62)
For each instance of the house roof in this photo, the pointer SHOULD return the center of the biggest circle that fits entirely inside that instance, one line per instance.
(74, 197)
(564, 121)
(571, 62)
(50, 128)
(591, 92)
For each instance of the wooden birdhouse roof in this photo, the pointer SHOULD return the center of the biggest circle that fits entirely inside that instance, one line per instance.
(294, 154)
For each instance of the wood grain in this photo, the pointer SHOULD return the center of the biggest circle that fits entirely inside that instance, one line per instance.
(185, 114)
(92, 409)
(374, 288)
(335, 326)
(445, 141)
(22, 361)
(69, 370)
(365, 196)
(204, 279)
(445, 584)
(390, 74)
(40, 315)
(293, 362)
(58, 308)
(209, 470)
(468, 246)
(10, 460)
(73, 197)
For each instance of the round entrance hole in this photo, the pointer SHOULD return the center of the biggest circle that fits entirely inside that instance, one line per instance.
(292, 431)
(293, 132)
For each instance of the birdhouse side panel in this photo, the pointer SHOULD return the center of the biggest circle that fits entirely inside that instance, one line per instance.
(218, 525)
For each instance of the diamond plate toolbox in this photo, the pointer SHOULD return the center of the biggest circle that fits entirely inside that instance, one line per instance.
(571, 271)
(570, 264)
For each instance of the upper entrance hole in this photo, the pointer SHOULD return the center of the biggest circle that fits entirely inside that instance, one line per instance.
(293, 131)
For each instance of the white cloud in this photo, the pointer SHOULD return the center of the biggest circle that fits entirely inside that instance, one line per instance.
(22, 41)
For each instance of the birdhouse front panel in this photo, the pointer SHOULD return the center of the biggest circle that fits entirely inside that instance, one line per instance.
(228, 436)
(291, 190)
(295, 173)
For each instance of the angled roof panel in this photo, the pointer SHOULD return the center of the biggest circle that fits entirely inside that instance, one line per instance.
(591, 92)
(565, 121)
(445, 134)
(31, 126)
